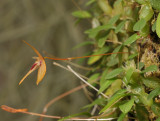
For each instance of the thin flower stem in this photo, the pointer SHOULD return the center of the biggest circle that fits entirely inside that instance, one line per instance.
(69, 62)
(71, 58)
(75, 73)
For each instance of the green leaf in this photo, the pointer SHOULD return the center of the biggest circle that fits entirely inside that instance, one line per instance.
(146, 12)
(105, 6)
(81, 14)
(139, 25)
(129, 73)
(131, 39)
(92, 33)
(158, 119)
(112, 62)
(158, 25)
(125, 108)
(141, 65)
(117, 49)
(132, 56)
(114, 73)
(150, 68)
(154, 27)
(155, 4)
(98, 101)
(93, 77)
(154, 93)
(120, 27)
(102, 80)
(141, 1)
(94, 59)
(84, 44)
(121, 117)
(105, 85)
(102, 41)
(114, 19)
(117, 96)
(151, 82)
(156, 109)
(142, 113)
(90, 2)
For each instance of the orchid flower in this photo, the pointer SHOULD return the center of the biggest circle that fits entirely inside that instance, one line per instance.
(39, 64)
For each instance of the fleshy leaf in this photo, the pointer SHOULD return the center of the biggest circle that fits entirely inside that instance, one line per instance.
(131, 39)
(158, 25)
(153, 93)
(150, 68)
(117, 96)
(125, 108)
(81, 14)
(139, 25)
(113, 73)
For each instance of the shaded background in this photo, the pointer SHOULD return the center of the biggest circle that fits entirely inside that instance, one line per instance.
(48, 26)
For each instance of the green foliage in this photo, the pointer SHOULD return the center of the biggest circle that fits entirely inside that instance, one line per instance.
(116, 97)
(150, 68)
(131, 39)
(158, 25)
(125, 108)
(131, 79)
(139, 25)
(113, 73)
(154, 93)
(155, 4)
(99, 51)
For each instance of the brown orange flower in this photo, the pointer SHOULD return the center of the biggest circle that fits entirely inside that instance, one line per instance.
(39, 64)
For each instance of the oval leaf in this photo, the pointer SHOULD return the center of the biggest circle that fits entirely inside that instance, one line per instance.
(125, 108)
(150, 68)
(158, 25)
(106, 85)
(121, 117)
(154, 93)
(81, 14)
(131, 39)
(155, 4)
(96, 58)
(139, 25)
(113, 73)
(117, 96)
(120, 27)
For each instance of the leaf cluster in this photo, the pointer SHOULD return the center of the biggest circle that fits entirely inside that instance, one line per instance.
(124, 26)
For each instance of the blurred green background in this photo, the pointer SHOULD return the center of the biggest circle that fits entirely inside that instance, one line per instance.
(48, 26)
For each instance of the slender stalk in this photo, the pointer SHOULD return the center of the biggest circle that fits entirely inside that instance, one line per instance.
(71, 58)
(85, 81)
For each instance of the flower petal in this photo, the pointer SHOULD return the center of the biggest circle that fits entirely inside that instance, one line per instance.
(34, 67)
(35, 50)
(41, 71)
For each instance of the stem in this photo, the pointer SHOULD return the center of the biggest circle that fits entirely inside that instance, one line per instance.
(71, 58)
(86, 82)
